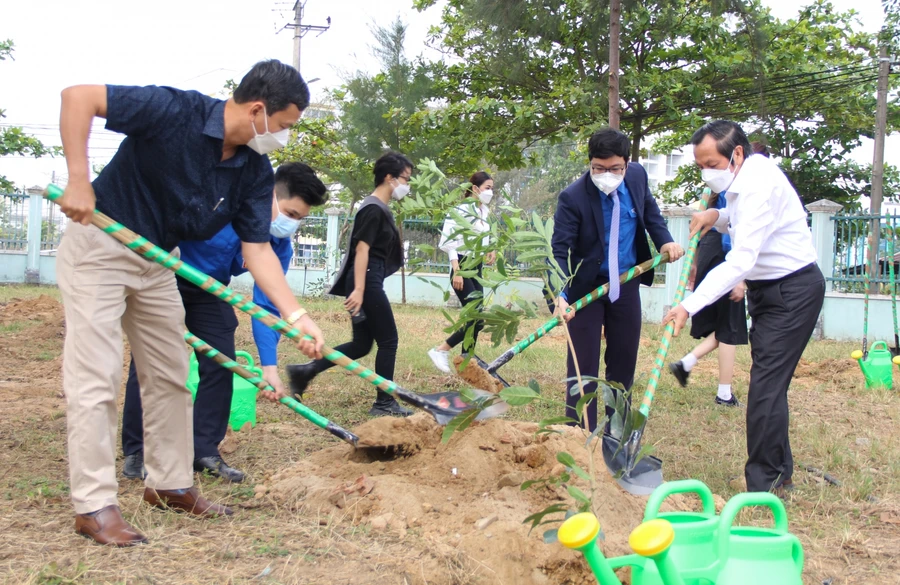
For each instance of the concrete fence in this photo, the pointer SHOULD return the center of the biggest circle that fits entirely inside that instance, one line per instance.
(841, 319)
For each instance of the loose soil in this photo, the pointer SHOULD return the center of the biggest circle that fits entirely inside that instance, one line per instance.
(314, 511)
(462, 496)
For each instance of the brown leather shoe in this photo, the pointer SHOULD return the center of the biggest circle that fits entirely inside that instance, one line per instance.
(107, 526)
(185, 500)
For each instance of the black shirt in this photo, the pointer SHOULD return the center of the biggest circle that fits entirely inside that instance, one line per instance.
(168, 182)
(373, 226)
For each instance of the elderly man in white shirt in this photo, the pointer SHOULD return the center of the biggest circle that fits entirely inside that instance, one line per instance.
(772, 250)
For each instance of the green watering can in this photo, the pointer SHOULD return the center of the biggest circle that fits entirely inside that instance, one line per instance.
(749, 555)
(694, 548)
(651, 540)
(243, 400)
(878, 366)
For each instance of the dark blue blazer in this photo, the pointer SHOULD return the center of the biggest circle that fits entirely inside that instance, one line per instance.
(579, 227)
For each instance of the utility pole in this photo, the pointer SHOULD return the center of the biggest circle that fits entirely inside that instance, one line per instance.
(884, 70)
(615, 22)
(301, 29)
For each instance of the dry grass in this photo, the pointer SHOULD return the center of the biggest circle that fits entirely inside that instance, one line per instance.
(850, 533)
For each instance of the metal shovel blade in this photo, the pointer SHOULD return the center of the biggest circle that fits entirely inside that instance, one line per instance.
(487, 368)
(445, 406)
(642, 479)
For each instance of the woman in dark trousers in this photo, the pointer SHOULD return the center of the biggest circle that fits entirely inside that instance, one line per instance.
(375, 252)
(721, 325)
(475, 209)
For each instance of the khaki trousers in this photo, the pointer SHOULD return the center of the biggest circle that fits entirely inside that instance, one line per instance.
(107, 288)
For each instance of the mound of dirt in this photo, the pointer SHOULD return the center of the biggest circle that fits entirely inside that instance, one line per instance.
(462, 498)
(476, 376)
(43, 308)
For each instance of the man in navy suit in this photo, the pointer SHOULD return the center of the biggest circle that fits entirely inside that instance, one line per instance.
(602, 223)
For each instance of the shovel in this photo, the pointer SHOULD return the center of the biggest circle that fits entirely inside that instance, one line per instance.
(635, 474)
(443, 408)
(895, 351)
(592, 296)
(307, 413)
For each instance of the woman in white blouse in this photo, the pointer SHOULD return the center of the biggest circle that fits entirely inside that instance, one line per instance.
(475, 209)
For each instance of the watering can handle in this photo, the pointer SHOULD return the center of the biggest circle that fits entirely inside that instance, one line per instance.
(686, 486)
(883, 345)
(246, 356)
(797, 554)
(747, 500)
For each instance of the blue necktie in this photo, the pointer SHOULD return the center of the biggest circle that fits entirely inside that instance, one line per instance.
(614, 250)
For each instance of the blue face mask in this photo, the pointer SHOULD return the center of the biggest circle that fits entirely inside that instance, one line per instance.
(283, 226)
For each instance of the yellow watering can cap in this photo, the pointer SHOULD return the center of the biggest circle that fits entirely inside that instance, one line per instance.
(579, 530)
(652, 537)
(857, 354)
(896, 359)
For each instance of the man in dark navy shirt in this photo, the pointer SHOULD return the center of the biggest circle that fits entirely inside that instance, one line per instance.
(190, 164)
(297, 190)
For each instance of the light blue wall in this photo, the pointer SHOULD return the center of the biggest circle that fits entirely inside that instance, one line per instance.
(12, 267)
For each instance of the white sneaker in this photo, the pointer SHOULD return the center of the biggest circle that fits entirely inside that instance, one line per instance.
(440, 359)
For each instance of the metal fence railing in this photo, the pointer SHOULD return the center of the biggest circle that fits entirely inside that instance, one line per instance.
(53, 225)
(851, 233)
(309, 243)
(13, 222)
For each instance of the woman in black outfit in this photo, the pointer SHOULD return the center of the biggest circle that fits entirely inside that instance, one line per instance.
(375, 252)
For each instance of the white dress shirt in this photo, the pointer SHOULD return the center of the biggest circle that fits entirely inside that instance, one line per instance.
(769, 235)
(474, 213)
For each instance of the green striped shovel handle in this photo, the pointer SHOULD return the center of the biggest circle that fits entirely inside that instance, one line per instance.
(307, 413)
(584, 301)
(865, 342)
(443, 409)
(891, 252)
(663, 350)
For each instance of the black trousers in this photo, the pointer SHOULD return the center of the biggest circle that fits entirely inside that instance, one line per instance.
(213, 321)
(622, 320)
(784, 314)
(379, 327)
(470, 285)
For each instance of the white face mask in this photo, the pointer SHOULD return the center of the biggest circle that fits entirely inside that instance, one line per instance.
(400, 191)
(283, 226)
(718, 180)
(485, 196)
(266, 143)
(607, 182)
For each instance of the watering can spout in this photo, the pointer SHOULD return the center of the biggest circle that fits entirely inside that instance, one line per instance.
(652, 540)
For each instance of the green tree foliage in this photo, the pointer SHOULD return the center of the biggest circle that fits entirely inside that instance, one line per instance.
(529, 71)
(13, 140)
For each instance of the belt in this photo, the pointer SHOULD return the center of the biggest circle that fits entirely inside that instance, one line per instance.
(758, 284)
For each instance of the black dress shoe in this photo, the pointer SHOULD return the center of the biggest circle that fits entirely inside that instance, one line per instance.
(733, 401)
(216, 466)
(134, 466)
(391, 408)
(299, 377)
(679, 372)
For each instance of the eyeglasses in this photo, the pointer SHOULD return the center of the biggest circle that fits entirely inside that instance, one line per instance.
(405, 177)
(616, 170)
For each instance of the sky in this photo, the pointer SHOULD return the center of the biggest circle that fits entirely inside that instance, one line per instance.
(199, 44)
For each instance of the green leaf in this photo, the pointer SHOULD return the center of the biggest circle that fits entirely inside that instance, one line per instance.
(579, 407)
(518, 395)
(579, 495)
(532, 383)
(565, 459)
(556, 420)
(459, 423)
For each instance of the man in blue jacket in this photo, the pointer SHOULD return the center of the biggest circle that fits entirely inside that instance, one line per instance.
(297, 189)
(602, 222)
